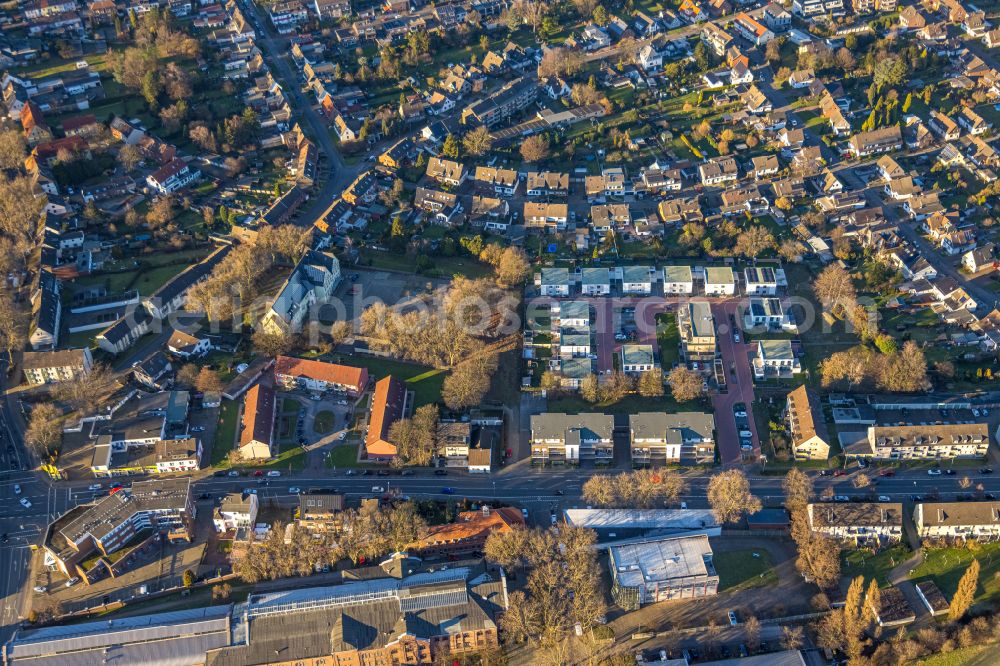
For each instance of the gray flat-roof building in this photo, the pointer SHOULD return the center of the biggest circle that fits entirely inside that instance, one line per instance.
(658, 438)
(559, 439)
(662, 569)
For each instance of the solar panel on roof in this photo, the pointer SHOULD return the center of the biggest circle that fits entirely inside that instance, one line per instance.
(424, 601)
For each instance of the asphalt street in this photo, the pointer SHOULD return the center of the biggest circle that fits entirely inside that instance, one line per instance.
(519, 483)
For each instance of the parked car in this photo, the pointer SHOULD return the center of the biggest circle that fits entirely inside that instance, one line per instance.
(294, 490)
(985, 470)
(732, 619)
(17, 488)
(447, 491)
(441, 472)
(841, 498)
(233, 472)
(884, 498)
(273, 473)
(934, 472)
(378, 489)
(198, 429)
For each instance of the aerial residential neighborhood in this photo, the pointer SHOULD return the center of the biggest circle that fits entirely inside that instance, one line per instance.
(485, 332)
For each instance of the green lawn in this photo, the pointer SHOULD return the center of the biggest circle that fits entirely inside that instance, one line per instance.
(740, 570)
(324, 422)
(442, 266)
(152, 279)
(630, 404)
(946, 566)
(225, 434)
(977, 655)
(345, 455)
(669, 339)
(293, 458)
(855, 563)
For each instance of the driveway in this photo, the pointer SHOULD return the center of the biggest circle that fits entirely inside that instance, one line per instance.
(276, 50)
(740, 386)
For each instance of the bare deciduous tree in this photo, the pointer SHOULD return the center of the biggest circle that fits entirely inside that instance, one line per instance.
(685, 384)
(730, 497)
(44, 429)
(12, 149)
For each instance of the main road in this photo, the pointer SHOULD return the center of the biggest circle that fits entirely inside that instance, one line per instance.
(539, 490)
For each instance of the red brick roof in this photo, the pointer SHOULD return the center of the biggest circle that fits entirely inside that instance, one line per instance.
(164, 173)
(50, 149)
(331, 373)
(387, 408)
(258, 415)
(31, 116)
(471, 527)
(75, 123)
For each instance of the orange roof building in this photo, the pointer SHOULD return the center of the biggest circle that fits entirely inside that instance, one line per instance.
(47, 153)
(33, 122)
(319, 376)
(469, 532)
(388, 406)
(258, 423)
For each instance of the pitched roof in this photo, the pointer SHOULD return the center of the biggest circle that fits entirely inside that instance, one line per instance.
(258, 415)
(808, 422)
(387, 408)
(958, 514)
(77, 122)
(872, 514)
(471, 526)
(331, 373)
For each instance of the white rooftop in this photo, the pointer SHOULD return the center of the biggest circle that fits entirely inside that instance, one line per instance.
(690, 519)
(662, 560)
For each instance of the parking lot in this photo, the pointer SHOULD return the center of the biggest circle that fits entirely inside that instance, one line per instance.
(321, 418)
(362, 287)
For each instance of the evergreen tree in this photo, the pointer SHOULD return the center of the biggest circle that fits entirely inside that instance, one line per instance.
(450, 147)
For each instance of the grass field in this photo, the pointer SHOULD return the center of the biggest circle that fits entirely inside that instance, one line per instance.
(740, 570)
(946, 566)
(630, 404)
(442, 266)
(324, 422)
(345, 455)
(668, 338)
(856, 563)
(977, 655)
(225, 433)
